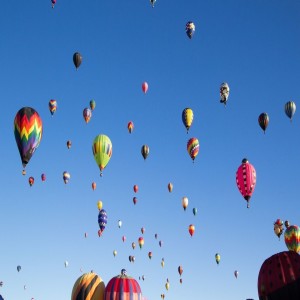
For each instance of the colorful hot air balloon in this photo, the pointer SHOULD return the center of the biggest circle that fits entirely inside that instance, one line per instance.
(246, 180)
(191, 229)
(290, 109)
(88, 286)
(193, 147)
(66, 177)
(130, 126)
(77, 59)
(69, 144)
(102, 221)
(145, 151)
(278, 227)
(162, 263)
(218, 258)
(180, 270)
(236, 274)
(119, 223)
(135, 188)
(92, 104)
(141, 242)
(99, 205)
(187, 118)
(53, 3)
(31, 181)
(152, 2)
(102, 151)
(43, 177)
(28, 130)
(224, 92)
(123, 287)
(170, 187)
(279, 277)
(52, 106)
(123, 238)
(145, 87)
(167, 285)
(94, 185)
(292, 238)
(190, 29)
(87, 114)
(263, 121)
(286, 223)
(185, 202)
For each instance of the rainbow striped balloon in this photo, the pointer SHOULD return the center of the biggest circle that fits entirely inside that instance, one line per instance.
(193, 147)
(292, 238)
(28, 130)
(89, 286)
(52, 106)
(123, 287)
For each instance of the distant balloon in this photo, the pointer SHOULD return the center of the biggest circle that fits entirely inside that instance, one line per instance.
(180, 270)
(145, 87)
(290, 109)
(134, 199)
(145, 151)
(92, 104)
(170, 187)
(185, 202)
(292, 238)
(193, 147)
(224, 93)
(194, 211)
(85, 235)
(152, 2)
(43, 177)
(87, 114)
(115, 253)
(31, 181)
(263, 121)
(123, 238)
(160, 243)
(66, 264)
(191, 229)
(150, 255)
(102, 151)
(19, 268)
(102, 220)
(187, 118)
(130, 126)
(167, 285)
(99, 205)
(143, 230)
(1, 283)
(286, 224)
(94, 185)
(155, 235)
(69, 144)
(119, 223)
(135, 188)
(53, 3)
(236, 274)
(278, 227)
(133, 245)
(246, 180)
(52, 106)
(218, 258)
(66, 177)
(77, 59)
(28, 130)
(141, 242)
(162, 263)
(190, 29)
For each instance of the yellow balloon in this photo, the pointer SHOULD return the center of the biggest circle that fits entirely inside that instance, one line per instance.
(99, 205)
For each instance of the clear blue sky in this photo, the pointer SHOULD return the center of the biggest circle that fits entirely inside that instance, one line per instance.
(252, 45)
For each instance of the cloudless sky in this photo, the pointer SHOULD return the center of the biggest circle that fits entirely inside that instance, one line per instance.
(252, 45)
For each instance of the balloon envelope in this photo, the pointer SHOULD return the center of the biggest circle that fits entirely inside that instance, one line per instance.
(193, 147)
(102, 151)
(292, 238)
(77, 59)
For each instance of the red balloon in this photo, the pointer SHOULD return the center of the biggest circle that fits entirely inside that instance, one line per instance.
(135, 188)
(246, 180)
(31, 181)
(191, 229)
(145, 87)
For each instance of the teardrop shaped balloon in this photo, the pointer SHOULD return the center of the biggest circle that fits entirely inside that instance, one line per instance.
(263, 121)
(92, 104)
(102, 151)
(190, 29)
(145, 151)
(193, 147)
(102, 220)
(187, 118)
(152, 2)
(218, 258)
(87, 114)
(31, 181)
(170, 187)
(292, 238)
(130, 126)
(52, 106)
(28, 130)
(224, 92)
(290, 109)
(69, 144)
(180, 270)
(77, 59)
(185, 202)
(145, 87)
(191, 229)
(66, 177)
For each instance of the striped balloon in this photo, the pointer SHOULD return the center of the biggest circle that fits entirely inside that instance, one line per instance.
(193, 147)
(123, 287)
(89, 286)
(292, 238)
(52, 106)
(290, 109)
(28, 130)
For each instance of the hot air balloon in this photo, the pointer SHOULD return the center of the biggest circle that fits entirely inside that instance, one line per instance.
(290, 109)
(92, 104)
(88, 286)
(185, 202)
(31, 181)
(43, 177)
(52, 106)
(263, 121)
(279, 277)
(135, 188)
(119, 223)
(155, 235)
(162, 296)
(130, 126)
(218, 258)
(170, 187)
(167, 285)
(77, 59)
(130, 258)
(134, 199)
(246, 180)
(286, 224)
(85, 235)
(1, 283)
(123, 287)
(180, 270)
(99, 205)
(102, 221)
(194, 211)
(190, 29)
(69, 144)
(187, 118)
(160, 243)
(193, 147)
(123, 238)
(28, 130)
(145, 87)
(162, 263)
(191, 229)
(66, 177)
(115, 253)
(150, 255)
(133, 245)
(145, 151)
(19, 268)
(224, 93)
(53, 3)
(236, 274)
(102, 151)
(141, 242)
(152, 2)
(66, 264)
(87, 114)
(143, 230)
(292, 238)
(180, 280)
(278, 227)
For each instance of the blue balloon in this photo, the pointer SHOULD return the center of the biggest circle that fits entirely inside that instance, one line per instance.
(102, 219)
